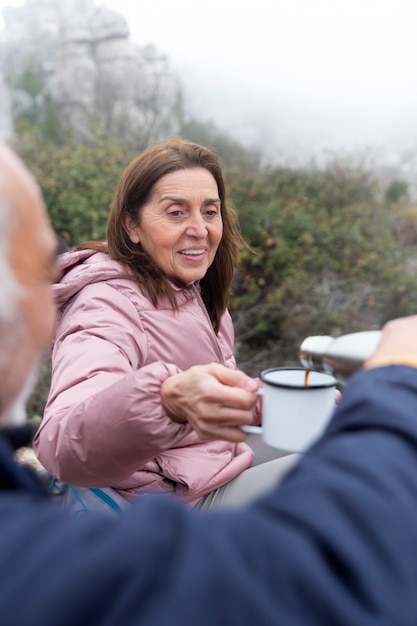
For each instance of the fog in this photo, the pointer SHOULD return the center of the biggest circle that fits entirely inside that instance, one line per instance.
(295, 79)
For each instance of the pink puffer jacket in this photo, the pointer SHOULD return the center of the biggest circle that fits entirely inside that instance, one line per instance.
(104, 424)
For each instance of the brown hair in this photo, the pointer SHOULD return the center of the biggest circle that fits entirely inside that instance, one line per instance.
(133, 192)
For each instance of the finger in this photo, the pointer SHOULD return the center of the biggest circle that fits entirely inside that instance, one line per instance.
(223, 420)
(226, 433)
(233, 378)
(222, 396)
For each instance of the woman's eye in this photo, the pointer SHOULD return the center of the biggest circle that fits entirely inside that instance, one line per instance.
(212, 212)
(175, 213)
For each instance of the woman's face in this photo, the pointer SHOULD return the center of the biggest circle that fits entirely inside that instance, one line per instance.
(181, 225)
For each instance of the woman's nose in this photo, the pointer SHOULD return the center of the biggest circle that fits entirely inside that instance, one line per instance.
(196, 226)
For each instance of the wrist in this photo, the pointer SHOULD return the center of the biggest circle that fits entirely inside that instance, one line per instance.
(397, 360)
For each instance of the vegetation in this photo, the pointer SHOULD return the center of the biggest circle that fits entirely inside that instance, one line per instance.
(330, 258)
(77, 180)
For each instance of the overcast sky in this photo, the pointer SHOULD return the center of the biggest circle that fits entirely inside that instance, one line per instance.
(307, 74)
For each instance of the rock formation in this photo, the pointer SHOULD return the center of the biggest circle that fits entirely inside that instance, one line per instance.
(84, 62)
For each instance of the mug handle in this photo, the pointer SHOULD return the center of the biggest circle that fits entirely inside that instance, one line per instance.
(254, 430)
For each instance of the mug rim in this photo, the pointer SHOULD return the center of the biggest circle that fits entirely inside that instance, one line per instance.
(287, 385)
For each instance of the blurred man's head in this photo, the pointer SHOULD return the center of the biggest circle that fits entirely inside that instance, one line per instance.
(27, 267)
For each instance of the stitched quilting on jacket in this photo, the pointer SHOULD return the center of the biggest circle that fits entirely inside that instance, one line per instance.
(104, 424)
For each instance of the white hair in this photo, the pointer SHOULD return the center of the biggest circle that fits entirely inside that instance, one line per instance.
(12, 325)
(16, 413)
(9, 286)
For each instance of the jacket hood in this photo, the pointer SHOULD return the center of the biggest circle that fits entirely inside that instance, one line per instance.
(85, 267)
(81, 268)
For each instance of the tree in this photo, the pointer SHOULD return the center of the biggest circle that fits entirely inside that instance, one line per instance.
(33, 108)
(397, 191)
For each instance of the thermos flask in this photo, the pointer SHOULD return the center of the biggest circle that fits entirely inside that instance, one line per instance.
(340, 356)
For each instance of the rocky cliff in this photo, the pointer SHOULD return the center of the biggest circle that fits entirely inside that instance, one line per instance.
(81, 58)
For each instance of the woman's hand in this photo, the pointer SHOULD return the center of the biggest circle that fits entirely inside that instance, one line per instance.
(215, 400)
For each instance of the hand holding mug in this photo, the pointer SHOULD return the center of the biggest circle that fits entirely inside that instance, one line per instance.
(214, 399)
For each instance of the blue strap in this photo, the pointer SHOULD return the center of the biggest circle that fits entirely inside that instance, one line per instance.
(99, 493)
(77, 495)
(106, 498)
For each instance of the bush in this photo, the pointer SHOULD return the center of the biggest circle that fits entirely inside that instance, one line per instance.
(78, 182)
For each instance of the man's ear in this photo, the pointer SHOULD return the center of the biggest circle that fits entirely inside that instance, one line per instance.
(131, 228)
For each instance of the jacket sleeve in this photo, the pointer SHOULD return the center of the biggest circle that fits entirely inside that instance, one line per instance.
(103, 417)
(334, 544)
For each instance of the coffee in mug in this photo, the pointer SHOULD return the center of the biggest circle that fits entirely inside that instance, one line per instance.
(296, 407)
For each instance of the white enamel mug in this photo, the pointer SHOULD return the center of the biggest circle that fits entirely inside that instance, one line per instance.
(295, 414)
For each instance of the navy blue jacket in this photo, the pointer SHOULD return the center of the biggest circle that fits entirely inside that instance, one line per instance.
(335, 545)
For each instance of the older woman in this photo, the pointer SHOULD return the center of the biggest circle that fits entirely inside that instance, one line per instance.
(145, 394)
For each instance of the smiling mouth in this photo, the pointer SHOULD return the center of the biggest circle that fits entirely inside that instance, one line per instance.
(192, 252)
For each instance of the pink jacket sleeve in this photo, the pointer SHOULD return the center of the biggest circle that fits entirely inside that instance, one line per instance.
(104, 417)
